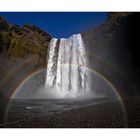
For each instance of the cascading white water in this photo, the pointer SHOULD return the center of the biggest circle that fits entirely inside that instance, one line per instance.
(67, 75)
(66, 68)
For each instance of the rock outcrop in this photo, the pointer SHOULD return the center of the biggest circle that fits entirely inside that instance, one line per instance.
(16, 41)
(22, 51)
(113, 48)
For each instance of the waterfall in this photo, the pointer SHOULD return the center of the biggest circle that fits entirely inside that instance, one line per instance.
(66, 67)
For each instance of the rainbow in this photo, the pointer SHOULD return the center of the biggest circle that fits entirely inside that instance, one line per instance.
(34, 72)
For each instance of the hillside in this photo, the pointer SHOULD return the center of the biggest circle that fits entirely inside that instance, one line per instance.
(16, 41)
(22, 50)
(113, 48)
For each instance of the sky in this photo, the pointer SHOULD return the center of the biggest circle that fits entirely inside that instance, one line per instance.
(57, 24)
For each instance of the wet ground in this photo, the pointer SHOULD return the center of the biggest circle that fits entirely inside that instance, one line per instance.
(100, 112)
(97, 113)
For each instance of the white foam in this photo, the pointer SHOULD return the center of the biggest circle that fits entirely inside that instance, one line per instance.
(66, 68)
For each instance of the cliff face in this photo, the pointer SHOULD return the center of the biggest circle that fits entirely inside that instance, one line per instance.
(18, 41)
(113, 51)
(22, 51)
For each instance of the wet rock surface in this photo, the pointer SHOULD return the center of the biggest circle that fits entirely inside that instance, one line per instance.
(111, 114)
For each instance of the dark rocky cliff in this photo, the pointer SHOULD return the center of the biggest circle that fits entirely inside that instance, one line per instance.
(113, 48)
(22, 51)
